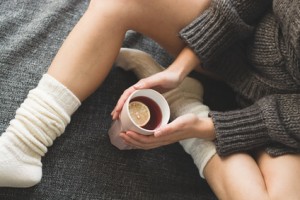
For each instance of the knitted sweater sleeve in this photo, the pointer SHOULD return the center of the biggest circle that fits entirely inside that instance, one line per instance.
(273, 120)
(221, 25)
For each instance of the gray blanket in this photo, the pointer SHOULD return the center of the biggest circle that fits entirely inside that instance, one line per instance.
(82, 164)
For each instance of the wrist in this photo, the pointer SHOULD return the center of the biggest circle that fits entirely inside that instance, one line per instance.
(185, 62)
(205, 128)
(178, 70)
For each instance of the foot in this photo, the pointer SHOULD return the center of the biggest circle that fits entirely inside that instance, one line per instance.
(141, 63)
(41, 118)
(20, 167)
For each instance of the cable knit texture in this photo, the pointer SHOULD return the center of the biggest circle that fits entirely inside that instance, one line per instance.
(255, 47)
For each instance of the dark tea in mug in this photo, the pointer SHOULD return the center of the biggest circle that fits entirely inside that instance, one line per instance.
(155, 112)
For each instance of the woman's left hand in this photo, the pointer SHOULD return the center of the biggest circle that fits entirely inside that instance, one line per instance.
(186, 126)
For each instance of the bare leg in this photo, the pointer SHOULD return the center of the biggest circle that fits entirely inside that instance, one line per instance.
(79, 67)
(235, 177)
(281, 175)
(88, 53)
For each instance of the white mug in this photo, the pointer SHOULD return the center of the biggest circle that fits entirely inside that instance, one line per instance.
(126, 123)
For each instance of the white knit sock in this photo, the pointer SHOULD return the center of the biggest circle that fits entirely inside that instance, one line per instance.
(141, 63)
(41, 118)
(187, 98)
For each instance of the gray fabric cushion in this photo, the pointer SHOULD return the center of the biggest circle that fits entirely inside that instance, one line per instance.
(82, 164)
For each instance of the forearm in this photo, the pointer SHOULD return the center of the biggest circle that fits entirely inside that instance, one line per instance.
(273, 119)
(221, 25)
(185, 62)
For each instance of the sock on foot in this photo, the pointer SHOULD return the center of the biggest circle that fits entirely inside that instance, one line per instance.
(141, 63)
(41, 118)
(187, 98)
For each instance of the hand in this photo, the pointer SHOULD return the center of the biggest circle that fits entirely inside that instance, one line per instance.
(162, 82)
(186, 126)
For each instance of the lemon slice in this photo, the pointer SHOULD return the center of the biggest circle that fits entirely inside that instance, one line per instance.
(139, 113)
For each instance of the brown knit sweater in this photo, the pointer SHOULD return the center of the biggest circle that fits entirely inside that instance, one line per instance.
(255, 46)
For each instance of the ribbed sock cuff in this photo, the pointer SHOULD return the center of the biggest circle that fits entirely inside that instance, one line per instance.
(68, 101)
(200, 150)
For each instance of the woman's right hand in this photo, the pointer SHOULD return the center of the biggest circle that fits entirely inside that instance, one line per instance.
(162, 82)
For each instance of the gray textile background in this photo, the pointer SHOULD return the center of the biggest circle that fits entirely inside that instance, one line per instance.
(82, 164)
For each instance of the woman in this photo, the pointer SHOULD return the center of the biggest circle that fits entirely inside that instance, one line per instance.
(254, 47)
(86, 57)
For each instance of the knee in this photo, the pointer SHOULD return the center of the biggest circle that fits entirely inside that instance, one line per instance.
(281, 175)
(123, 6)
(279, 187)
(284, 193)
(107, 6)
(121, 10)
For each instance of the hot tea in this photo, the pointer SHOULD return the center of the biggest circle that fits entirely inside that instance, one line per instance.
(155, 112)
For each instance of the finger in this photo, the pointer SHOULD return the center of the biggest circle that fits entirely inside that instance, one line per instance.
(142, 141)
(134, 140)
(129, 140)
(129, 146)
(116, 111)
(164, 130)
(140, 85)
(149, 82)
(149, 141)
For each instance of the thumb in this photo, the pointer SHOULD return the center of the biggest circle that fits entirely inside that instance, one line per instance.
(140, 85)
(163, 130)
(149, 82)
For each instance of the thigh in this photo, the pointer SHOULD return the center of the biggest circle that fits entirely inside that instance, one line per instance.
(162, 20)
(281, 174)
(235, 177)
